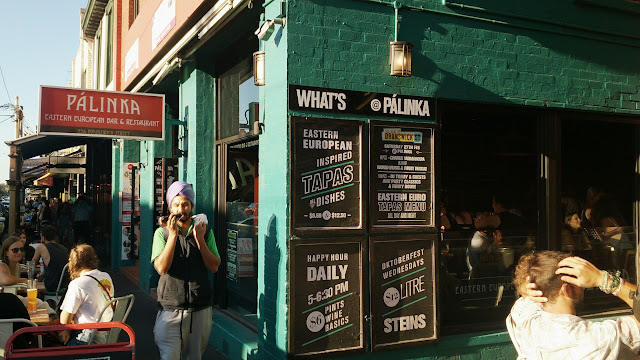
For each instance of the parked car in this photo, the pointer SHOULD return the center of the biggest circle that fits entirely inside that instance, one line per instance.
(4, 219)
(3, 226)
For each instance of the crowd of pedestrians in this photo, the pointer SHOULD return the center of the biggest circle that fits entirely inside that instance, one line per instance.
(184, 252)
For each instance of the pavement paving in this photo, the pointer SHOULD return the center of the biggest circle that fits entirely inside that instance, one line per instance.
(142, 319)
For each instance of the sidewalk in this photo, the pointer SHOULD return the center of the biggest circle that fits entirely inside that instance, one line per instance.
(142, 319)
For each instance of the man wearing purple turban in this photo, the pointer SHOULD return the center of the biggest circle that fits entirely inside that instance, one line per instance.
(184, 252)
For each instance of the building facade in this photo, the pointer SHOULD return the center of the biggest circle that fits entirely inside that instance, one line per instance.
(343, 198)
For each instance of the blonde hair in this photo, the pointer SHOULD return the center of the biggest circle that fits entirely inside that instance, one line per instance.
(82, 257)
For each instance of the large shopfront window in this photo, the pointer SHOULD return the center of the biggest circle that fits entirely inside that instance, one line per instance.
(497, 203)
(489, 213)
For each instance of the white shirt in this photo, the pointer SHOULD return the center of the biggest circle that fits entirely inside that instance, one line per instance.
(86, 298)
(537, 334)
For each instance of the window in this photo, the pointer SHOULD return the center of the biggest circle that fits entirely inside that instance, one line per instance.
(98, 64)
(490, 169)
(489, 178)
(237, 205)
(109, 46)
(237, 101)
(597, 200)
(134, 9)
(241, 208)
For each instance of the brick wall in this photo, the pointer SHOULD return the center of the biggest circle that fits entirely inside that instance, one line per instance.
(345, 44)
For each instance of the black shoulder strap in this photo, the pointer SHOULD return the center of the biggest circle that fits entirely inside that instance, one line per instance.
(113, 307)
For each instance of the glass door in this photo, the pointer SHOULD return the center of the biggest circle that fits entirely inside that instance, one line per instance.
(239, 217)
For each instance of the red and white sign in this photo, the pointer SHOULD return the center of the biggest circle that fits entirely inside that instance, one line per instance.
(164, 20)
(131, 61)
(93, 113)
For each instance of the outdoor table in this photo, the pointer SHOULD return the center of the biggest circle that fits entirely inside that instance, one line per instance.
(40, 317)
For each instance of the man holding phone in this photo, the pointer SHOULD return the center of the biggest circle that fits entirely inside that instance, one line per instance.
(184, 252)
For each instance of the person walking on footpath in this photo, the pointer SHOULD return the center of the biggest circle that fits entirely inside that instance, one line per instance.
(184, 252)
(81, 214)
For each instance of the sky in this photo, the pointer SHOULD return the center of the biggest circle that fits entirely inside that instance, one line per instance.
(38, 41)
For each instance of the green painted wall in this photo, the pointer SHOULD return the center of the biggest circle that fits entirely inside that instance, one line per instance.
(147, 202)
(197, 95)
(273, 249)
(462, 54)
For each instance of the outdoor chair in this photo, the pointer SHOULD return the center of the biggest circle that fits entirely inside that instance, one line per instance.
(122, 306)
(56, 295)
(6, 330)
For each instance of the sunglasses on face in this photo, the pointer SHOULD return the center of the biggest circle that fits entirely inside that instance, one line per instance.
(17, 250)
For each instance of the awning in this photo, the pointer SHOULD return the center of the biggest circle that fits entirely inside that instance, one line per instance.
(34, 145)
(46, 175)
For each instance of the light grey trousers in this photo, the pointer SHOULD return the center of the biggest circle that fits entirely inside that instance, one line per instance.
(196, 328)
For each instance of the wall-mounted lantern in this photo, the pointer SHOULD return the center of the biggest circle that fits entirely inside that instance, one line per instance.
(400, 58)
(258, 68)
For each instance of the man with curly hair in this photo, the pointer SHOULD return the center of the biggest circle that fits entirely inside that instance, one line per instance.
(543, 323)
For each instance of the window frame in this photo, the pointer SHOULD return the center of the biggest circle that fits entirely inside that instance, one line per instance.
(220, 209)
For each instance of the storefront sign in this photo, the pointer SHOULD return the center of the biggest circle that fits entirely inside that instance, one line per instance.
(326, 179)
(130, 210)
(131, 60)
(401, 176)
(232, 255)
(402, 291)
(165, 172)
(306, 98)
(326, 296)
(164, 20)
(92, 113)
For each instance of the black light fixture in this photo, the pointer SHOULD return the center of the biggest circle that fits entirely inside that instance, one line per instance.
(258, 68)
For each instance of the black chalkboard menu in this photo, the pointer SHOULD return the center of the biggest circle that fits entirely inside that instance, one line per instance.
(165, 172)
(326, 301)
(326, 189)
(401, 180)
(403, 305)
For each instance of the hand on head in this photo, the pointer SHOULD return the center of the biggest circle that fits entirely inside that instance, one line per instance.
(579, 272)
(573, 270)
(532, 292)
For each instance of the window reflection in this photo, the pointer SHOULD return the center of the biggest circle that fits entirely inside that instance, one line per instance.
(242, 228)
(598, 163)
(238, 100)
(489, 215)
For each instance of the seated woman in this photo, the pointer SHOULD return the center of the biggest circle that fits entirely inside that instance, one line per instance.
(29, 248)
(12, 254)
(89, 291)
(572, 235)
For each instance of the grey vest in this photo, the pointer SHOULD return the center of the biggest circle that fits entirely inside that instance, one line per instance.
(186, 285)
